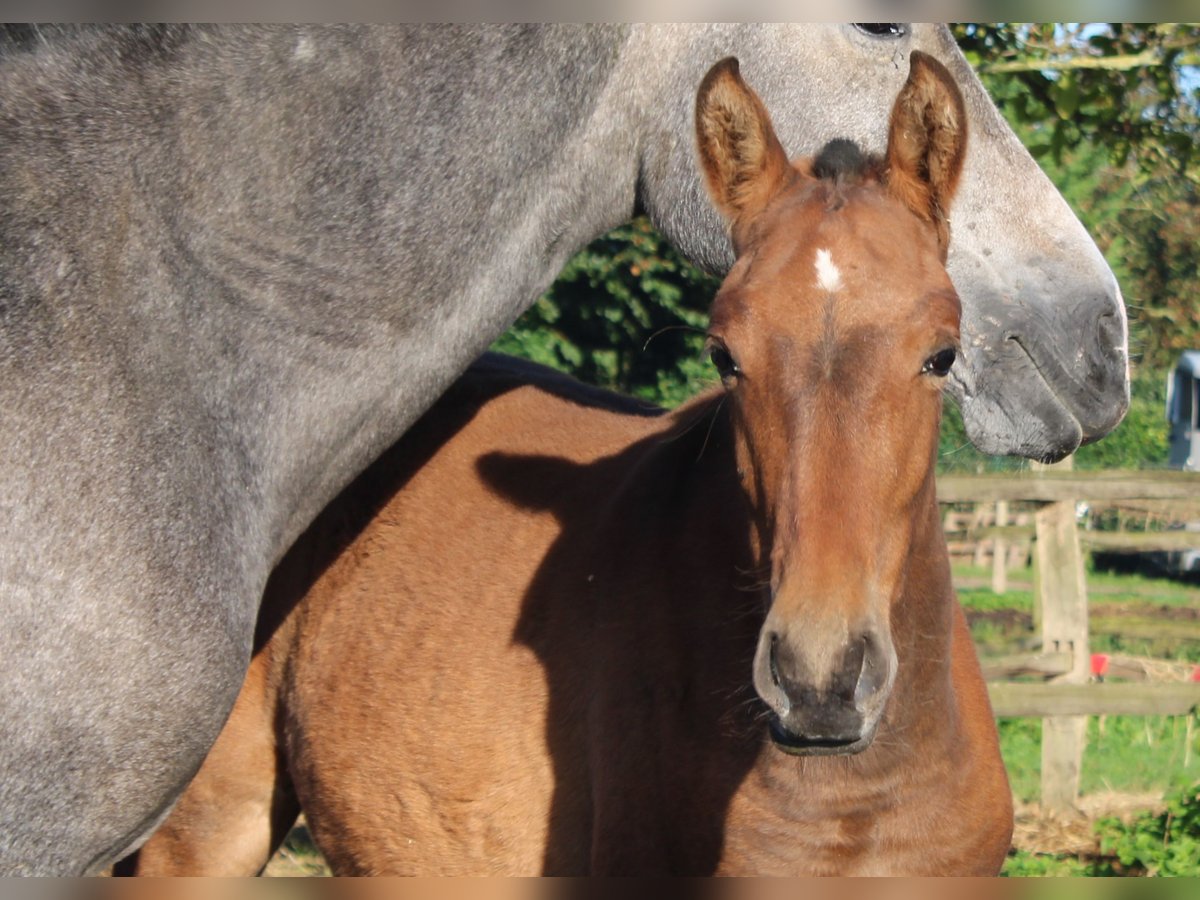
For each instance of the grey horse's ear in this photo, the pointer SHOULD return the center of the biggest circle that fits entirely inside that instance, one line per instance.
(927, 143)
(742, 161)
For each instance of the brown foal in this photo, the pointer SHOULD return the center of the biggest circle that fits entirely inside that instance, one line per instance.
(553, 632)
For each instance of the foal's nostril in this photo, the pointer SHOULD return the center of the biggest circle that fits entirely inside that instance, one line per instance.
(785, 669)
(873, 675)
(790, 671)
(861, 673)
(845, 683)
(774, 666)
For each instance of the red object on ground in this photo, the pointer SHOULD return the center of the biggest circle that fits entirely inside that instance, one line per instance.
(1196, 673)
(1099, 664)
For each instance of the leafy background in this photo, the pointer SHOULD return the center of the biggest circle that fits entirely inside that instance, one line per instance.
(1110, 112)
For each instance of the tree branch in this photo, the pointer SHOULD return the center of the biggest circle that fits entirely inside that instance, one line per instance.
(1152, 57)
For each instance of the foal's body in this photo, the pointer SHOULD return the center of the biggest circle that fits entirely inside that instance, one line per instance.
(600, 567)
(543, 653)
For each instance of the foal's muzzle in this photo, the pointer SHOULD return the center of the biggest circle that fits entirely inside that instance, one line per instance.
(824, 709)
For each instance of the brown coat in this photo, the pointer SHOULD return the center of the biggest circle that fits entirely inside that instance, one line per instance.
(547, 634)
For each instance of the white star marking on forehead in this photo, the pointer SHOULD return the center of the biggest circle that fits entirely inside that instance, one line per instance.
(828, 276)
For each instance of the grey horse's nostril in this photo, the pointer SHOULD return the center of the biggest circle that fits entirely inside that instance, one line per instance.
(1111, 331)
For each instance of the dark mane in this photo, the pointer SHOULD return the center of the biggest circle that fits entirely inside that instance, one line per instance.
(842, 159)
(495, 373)
(842, 162)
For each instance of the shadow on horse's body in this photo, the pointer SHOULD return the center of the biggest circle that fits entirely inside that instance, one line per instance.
(237, 262)
(547, 634)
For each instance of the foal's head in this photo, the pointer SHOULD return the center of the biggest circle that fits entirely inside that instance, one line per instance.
(833, 335)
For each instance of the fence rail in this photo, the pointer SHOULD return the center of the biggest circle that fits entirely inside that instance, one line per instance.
(1065, 697)
(1048, 486)
(1022, 698)
(1051, 665)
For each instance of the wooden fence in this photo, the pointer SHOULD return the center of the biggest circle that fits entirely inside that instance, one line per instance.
(1067, 695)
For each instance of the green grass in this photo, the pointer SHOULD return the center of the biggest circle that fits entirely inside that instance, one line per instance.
(1021, 747)
(984, 600)
(1138, 589)
(1024, 864)
(1124, 754)
(1126, 611)
(1104, 587)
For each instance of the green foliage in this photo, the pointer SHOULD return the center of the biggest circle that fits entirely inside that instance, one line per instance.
(1163, 844)
(1153, 844)
(956, 453)
(627, 312)
(1147, 222)
(1141, 440)
(1023, 864)
(1118, 85)
(1156, 240)
(1110, 111)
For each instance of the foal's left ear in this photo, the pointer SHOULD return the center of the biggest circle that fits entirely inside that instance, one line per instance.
(927, 142)
(744, 164)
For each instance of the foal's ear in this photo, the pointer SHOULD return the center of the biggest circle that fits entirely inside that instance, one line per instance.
(743, 162)
(927, 142)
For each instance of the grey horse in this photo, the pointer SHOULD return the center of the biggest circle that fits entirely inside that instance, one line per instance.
(237, 262)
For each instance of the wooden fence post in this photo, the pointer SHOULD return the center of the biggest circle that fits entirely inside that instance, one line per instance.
(978, 517)
(1000, 551)
(1061, 593)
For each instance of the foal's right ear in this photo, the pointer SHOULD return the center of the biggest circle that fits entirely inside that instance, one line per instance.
(927, 143)
(741, 158)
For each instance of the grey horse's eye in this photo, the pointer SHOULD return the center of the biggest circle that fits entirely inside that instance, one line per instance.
(882, 29)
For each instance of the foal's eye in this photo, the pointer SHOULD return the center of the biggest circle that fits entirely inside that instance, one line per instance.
(727, 368)
(882, 29)
(939, 364)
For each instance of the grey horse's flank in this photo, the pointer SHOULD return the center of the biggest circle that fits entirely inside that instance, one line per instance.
(237, 262)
